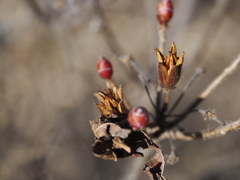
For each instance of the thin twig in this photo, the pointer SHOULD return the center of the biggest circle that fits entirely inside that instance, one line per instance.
(205, 134)
(129, 61)
(227, 71)
(166, 103)
(208, 33)
(106, 31)
(162, 37)
(158, 99)
(149, 97)
(197, 73)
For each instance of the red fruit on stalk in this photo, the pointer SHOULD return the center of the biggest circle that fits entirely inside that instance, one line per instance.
(138, 117)
(104, 68)
(164, 11)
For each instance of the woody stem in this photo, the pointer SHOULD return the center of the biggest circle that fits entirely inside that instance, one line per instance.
(166, 102)
(162, 37)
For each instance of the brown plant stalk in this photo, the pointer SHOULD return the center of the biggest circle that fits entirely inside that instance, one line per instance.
(204, 134)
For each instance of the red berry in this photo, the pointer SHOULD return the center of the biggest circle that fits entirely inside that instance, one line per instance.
(104, 68)
(164, 11)
(138, 117)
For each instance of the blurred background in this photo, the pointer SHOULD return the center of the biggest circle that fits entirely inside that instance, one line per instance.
(48, 52)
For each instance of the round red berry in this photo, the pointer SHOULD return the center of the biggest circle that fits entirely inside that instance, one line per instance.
(164, 11)
(104, 68)
(138, 117)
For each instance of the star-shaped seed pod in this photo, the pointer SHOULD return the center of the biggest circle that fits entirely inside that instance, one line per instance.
(169, 67)
(111, 102)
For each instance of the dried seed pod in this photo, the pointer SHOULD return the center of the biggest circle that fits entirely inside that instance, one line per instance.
(169, 67)
(164, 11)
(104, 68)
(111, 103)
(138, 117)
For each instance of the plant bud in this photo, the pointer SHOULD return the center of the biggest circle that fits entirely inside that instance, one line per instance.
(138, 117)
(164, 11)
(104, 68)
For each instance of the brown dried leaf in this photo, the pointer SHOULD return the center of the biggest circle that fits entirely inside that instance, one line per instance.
(113, 142)
(110, 129)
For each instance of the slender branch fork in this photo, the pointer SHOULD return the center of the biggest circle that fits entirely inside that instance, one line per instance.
(209, 89)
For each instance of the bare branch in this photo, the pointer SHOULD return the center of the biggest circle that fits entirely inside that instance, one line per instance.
(197, 73)
(227, 71)
(204, 134)
(162, 37)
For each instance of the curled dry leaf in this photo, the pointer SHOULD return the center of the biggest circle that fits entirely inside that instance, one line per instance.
(115, 139)
(114, 142)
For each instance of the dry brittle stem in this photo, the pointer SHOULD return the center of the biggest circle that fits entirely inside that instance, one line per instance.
(162, 37)
(166, 102)
(204, 134)
(197, 73)
(225, 73)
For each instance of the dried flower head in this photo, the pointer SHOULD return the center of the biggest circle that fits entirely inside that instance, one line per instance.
(111, 102)
(169, 67)
(164, 11)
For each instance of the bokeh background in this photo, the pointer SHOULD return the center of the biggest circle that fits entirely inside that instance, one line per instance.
(48, 51)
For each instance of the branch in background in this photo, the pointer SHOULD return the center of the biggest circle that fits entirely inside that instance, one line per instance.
(209, 31)
(129, 61)
(205, 134)
(226, 72)
(106, 31)
(150, 98)
(38, 11)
